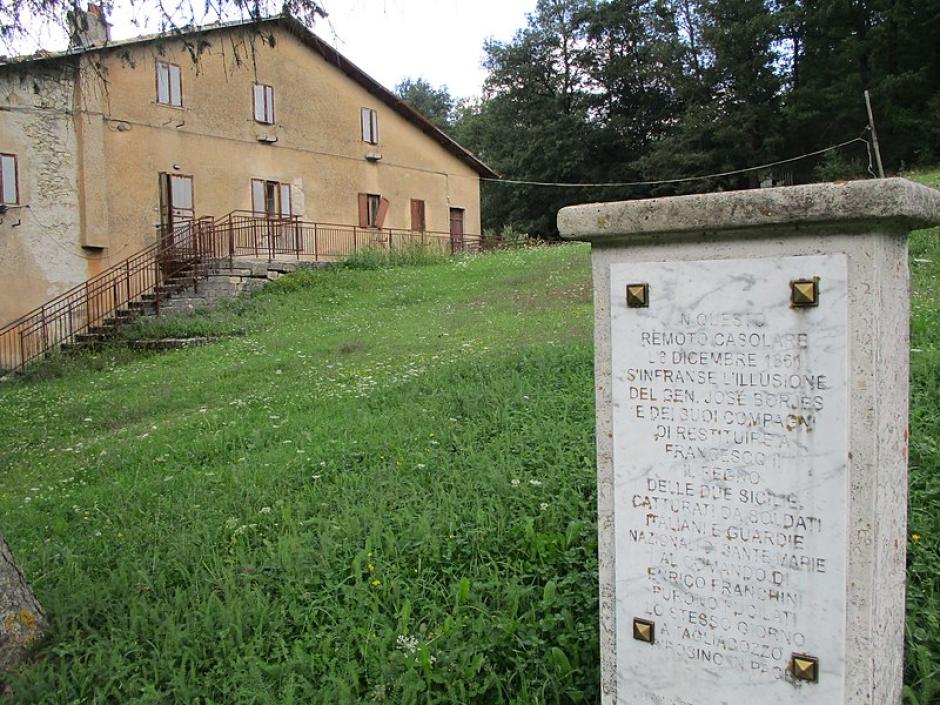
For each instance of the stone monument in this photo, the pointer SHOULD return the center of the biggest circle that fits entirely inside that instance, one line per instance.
(752, 406)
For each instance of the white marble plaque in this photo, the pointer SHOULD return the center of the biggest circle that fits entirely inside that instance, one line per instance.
(730, 443)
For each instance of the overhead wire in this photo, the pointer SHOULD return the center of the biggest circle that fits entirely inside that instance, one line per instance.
(685, 179)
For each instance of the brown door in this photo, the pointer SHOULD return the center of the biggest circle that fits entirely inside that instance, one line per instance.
(417, 216)
(456, 229)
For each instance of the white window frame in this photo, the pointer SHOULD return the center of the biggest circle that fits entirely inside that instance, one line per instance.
(259, 197)
(263, 103)
(169, 84)
(369, 120)
(9, 189)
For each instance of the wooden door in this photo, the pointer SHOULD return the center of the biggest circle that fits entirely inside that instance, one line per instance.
(456, 229)
(417, 216)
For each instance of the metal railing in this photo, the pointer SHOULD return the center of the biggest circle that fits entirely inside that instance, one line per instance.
(180, 253)
(184, 253)
(250, 235)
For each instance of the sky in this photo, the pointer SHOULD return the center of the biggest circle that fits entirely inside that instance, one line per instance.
(438, 40)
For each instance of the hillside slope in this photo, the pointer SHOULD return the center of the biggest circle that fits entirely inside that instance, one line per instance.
(383, 491)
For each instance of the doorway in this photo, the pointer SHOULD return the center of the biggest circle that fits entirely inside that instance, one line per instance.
(273, 225)
(177, 210)
(456, 230)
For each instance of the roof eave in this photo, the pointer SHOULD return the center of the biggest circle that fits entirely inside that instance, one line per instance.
(301, 32)
(332, 55)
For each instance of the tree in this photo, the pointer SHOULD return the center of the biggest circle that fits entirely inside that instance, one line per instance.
(21, 616)
(436, 104)
(533, 121)
(729, 95)
(892, 48)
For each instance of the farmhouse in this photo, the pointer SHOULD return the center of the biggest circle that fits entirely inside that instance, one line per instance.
(108, 145)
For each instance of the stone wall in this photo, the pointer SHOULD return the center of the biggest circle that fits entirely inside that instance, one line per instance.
(224, 282)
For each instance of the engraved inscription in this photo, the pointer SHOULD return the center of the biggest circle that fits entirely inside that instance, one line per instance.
(730, 480)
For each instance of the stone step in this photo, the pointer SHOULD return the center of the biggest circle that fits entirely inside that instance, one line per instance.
(142, 306)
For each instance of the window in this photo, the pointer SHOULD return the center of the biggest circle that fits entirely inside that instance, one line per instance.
(370, 126)
(374, 202)
(372, 210)
(169, 84)
(9, 187)
(264, 103)
(270, 199)
(417, 216)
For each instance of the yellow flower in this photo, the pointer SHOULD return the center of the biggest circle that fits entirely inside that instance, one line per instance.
(376, 583)
(371, 568)
(915, 537)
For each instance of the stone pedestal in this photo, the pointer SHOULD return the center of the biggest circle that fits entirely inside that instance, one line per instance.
(752, 406)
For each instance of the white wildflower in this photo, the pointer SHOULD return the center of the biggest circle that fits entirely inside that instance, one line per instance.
(408, 644)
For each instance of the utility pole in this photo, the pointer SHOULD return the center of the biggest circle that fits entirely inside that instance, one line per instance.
(874, 136)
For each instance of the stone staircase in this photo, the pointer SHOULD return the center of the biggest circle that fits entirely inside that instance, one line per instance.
(186, 292)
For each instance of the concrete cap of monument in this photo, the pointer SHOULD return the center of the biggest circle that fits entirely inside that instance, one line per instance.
(884, 204)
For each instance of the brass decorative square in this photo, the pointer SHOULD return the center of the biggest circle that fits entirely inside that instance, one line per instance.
(804, 292)
(638, 295)
(804, 668)
(644, 630)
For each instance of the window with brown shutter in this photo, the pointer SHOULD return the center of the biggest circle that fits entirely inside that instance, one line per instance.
(382, 212)
(372, 210)
(9, 183)
(263, 97)
(363, 210)
(169, 84)
(417, 216)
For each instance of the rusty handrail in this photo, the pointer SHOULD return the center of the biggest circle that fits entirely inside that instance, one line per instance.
(190, 248)
(91, 303)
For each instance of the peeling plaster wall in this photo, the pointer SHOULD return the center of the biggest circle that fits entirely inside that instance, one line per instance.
(40, 242)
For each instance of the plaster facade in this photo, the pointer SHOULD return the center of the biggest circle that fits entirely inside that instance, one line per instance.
(92, 141)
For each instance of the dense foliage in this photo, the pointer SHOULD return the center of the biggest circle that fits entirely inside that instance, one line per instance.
(436, 104)
(626, 90)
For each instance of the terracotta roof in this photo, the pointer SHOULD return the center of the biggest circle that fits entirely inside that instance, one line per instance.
(302, 33)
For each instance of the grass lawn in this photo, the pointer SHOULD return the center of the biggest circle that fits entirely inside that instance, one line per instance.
(381, 490)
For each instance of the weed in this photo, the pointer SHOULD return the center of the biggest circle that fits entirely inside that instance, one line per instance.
(409, 255)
